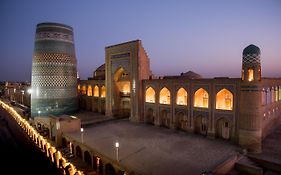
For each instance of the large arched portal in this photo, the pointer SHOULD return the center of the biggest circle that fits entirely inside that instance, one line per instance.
(122, 93)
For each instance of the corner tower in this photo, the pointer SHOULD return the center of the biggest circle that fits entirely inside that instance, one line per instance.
(251, 64)
(250, 115)
(54, 72)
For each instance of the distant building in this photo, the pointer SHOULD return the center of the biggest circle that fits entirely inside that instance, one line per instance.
(54, 71)
(243, 110)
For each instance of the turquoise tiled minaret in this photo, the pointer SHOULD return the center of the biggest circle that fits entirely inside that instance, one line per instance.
(54, 71)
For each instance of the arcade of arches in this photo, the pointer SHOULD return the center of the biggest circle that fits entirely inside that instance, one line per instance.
(180, 119)
(101, 165)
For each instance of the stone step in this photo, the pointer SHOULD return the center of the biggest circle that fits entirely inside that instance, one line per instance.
(245, 165)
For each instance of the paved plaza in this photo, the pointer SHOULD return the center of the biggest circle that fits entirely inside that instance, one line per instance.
(148, 149)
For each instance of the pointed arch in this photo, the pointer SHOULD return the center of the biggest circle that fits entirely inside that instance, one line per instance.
(224, 100)
(84, 90)
(150, 95)
(201, 98)
(78, 88)
(96, 91)
(103, 92)
(165, 96)
(89, 91)
(181, 98)
(250, 74)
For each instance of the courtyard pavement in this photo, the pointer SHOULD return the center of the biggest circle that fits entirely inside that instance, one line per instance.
(148, 149)
(89, 118)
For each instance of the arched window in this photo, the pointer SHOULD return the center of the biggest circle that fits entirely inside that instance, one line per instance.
(84, 90)
(276, 93)
(224, 100)
(96, 91)
(78, 88)
(279, 93)
(272, 95)
(201, 98)
(150, 95)
(250, 74)
(181, 97)
(103, 92)
(268, 96)
(263, 97)
(165, 96)
(89, 91)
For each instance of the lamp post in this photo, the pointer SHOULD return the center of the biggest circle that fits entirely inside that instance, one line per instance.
(82, 135)
(39, 112)
(117, 149)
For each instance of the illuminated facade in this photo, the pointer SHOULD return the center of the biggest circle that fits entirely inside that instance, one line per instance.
(54, 72)
(239, 109)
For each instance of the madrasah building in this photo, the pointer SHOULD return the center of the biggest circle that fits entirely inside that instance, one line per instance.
(243, 110)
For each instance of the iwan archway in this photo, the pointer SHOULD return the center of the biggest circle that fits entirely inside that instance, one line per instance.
(127, 64)
(121, 93)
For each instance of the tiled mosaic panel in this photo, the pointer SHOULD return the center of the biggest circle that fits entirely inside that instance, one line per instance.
(251, 59)
(54, 72)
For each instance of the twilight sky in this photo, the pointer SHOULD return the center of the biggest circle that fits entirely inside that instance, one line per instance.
(204, 36)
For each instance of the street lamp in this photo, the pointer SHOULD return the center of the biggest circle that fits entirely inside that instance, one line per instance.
(117, 146)
(82, 135)
(39, 112)
(29, 90)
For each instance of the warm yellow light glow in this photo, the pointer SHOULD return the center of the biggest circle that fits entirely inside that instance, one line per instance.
(250, 74)
(165, 96)
(150, 95)
(84, 90)
(96, 91)
(103, 92)
(126, 88)
(201, 98)
(243, 77)
(276, 94)
(279, 91)
(89, 91)
(41, 142)
(224, 100)
(181, 97)
(78, 88)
